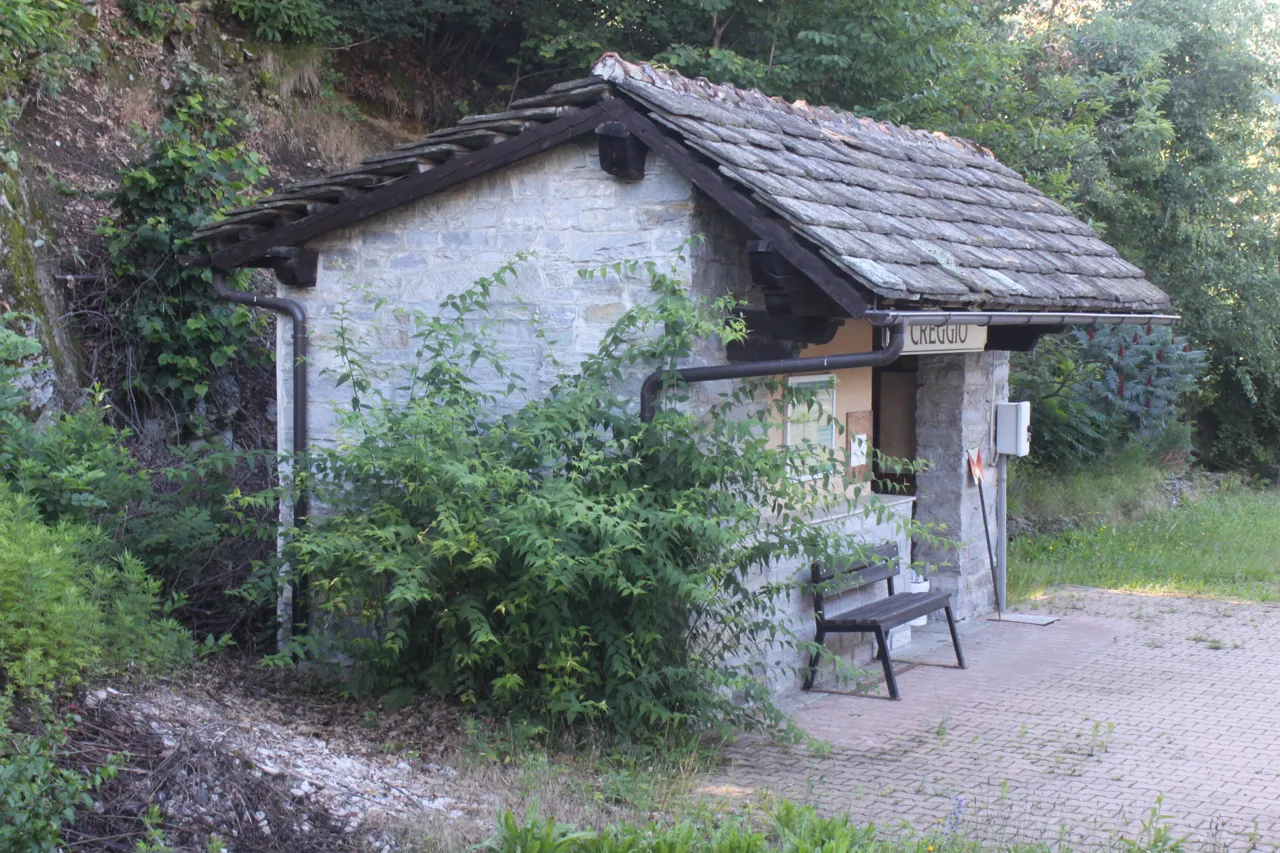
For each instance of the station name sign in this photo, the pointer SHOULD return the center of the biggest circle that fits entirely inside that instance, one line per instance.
(944, 339)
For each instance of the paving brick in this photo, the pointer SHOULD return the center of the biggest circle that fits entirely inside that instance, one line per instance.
(1082, 724)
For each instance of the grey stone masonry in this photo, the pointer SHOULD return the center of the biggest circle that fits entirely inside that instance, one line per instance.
(554, 215)
(955, 408)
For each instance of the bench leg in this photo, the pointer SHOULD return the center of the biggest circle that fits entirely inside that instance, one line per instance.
(888, 665)
(813, 660)
(955, 638)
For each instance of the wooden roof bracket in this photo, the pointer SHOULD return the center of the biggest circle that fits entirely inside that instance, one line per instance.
(739, 206)
(295, 266)
(621, 153)
(773, 336)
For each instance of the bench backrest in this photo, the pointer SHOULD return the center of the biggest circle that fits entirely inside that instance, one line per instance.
(875, 564)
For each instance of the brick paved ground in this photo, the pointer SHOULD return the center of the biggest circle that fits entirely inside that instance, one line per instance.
(1066, 733)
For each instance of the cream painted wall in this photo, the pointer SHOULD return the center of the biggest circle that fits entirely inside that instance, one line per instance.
(853, 387)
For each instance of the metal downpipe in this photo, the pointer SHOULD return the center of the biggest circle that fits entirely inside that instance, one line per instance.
(786, 366)
(298, 316)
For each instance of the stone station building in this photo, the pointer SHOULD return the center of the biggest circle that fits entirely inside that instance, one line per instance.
(833, 228)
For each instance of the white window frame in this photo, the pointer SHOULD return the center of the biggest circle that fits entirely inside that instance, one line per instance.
(813, 379)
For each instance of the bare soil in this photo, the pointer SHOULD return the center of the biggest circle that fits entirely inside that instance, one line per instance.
(257, 760)
(233, 754)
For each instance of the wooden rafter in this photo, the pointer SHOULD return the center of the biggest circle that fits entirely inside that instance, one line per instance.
(411, 188)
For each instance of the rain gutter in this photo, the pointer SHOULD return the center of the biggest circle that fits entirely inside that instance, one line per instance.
(1015, 318)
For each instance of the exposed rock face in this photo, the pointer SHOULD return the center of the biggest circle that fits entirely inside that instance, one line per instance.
(27, 286)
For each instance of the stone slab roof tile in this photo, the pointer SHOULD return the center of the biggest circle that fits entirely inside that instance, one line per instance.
(909, 215)
(697, 129)
(935, 279)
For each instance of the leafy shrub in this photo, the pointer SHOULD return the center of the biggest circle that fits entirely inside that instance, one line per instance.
(37, 796)
(564, 561)
(285, 20)
(172, 518)
(178, 332)
(63, 617)
(77, 469)
(1093, 391)
(155, 18)
(77, 474)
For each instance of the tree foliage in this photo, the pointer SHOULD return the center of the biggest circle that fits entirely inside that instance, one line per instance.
(1097, 391)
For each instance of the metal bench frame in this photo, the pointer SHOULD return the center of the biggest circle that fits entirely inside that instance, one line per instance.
(877, 617)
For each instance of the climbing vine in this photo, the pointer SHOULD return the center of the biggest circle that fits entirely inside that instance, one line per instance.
(176, 335)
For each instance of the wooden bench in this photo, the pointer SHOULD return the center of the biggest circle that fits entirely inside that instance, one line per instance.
(877, 617)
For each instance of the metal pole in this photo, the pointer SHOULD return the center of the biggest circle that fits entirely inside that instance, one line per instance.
(991, 557)
(1002, 533)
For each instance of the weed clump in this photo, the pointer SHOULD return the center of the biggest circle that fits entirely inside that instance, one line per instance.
(560, 559)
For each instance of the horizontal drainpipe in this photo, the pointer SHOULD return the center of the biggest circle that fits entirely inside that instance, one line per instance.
(299, 318)
(755, 369)
(897, 320)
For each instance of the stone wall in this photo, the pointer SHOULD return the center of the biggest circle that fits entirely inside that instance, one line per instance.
(955, 409)
(558, 208)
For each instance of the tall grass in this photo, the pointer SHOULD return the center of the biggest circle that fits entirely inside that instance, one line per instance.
(1121, 488)
(1225, 544)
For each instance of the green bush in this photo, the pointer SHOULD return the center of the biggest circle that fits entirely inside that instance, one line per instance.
(37, 796)
(1096, 391)
(172, 518)
(564, 561)
(76, 469)
(178, 332)
(62, 617)
(155, 18)
(285, 20)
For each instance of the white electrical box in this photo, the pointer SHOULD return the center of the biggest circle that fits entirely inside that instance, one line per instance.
(1013, 428)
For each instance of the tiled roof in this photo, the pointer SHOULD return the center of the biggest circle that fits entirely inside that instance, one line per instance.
(912, 216)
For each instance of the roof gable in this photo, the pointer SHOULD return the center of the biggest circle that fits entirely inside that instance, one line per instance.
(914, 216)
(910, 216)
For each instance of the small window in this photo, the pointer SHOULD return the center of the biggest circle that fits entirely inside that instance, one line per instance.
(813, 423)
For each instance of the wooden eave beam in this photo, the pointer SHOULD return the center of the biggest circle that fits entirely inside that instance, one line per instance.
(739, 206)
(411, 188)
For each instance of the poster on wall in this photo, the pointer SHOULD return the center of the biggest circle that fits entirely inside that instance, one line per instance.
(858, 440)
